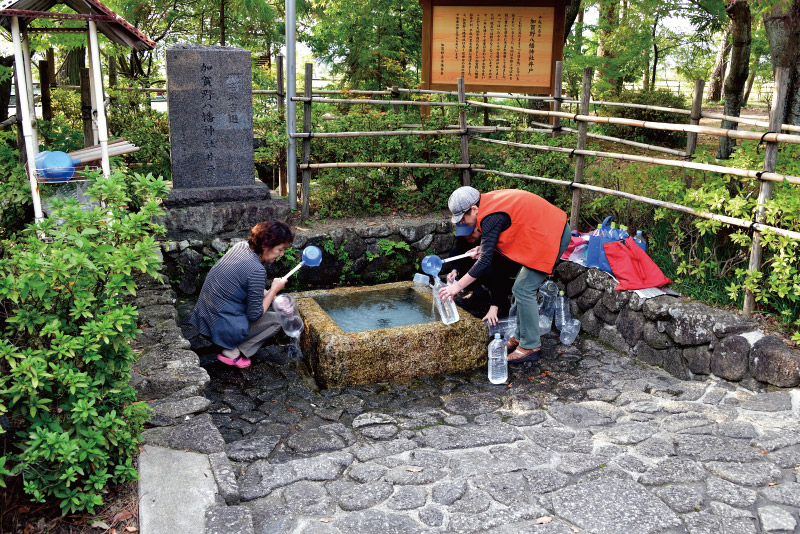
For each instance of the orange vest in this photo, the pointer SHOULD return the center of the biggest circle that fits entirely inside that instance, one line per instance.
(534, 237)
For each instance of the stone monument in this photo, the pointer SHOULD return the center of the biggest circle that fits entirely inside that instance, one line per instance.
(211, 137)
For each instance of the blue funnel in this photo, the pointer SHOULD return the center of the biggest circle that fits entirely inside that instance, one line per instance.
(432, 264)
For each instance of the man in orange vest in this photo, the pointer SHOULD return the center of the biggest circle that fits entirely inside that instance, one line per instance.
(526, 229)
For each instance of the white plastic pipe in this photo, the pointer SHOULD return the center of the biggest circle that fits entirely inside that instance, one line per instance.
(291, 105)
(102, 128)
(24, 110)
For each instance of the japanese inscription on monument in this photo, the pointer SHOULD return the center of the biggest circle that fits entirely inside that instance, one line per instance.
(210, 116)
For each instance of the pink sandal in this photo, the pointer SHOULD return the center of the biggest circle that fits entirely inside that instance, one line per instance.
(242, 362)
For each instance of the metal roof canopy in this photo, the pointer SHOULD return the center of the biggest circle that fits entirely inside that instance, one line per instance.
(15, 16)
(109, 23)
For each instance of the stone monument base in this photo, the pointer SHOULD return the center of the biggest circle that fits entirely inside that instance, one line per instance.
(219, 212)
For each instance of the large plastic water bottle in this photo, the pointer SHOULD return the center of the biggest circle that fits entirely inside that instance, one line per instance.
(561, 315)
(570, 331)
(548, 291)
(498, 362)
(623, 232)
(640, 240)
(613, 232)
(447, 308)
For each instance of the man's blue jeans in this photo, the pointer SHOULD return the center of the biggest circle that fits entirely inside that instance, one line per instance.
(526, 290)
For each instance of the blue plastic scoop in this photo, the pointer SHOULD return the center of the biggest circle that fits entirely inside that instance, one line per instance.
(432, 264)
(312, 256)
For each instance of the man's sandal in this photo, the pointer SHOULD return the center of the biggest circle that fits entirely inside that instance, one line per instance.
(521, 355)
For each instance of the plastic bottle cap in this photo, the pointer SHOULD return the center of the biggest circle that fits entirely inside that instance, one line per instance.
(638, 232)
(497, 335)
(560, 292)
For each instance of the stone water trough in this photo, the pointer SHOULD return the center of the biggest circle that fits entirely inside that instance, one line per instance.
(425, 346)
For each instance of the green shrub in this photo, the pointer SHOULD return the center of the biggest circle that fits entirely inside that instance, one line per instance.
(717, 255)
(661, 98)
(16, 203)
(65, 357)
(131, 117)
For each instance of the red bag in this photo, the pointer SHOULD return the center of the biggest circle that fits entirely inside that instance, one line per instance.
(632, 266)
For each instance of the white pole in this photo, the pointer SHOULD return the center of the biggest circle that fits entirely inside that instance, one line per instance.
(291, 105)
(24, 110)
(28, 71)
(102, 129)
(92, 94)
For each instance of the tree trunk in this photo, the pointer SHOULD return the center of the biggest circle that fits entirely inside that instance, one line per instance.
(739, 13)
(222, 22)
(748, 88)
(5, 87)
(714, 92)
(782, 26)
(74, 61)
(608, 22)
(112, 71)
(655, 68)
(572, 13)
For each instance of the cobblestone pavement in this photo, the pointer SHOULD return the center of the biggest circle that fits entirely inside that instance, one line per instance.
(587, 440)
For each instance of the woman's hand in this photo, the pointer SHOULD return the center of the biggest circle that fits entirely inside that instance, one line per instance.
(451, 277)
(491, 316)
(449, 291)
(474, 252)
(277, 285)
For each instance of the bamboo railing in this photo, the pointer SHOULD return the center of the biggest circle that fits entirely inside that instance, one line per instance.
(766, 177)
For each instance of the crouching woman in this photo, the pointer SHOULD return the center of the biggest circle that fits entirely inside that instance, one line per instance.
(232, 310)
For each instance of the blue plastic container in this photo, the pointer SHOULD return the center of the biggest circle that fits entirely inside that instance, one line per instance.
(55, 166)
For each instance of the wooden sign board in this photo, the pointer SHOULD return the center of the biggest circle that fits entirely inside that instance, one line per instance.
(509, 46)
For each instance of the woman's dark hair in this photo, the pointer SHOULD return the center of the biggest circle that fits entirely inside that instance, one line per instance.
(269, 234)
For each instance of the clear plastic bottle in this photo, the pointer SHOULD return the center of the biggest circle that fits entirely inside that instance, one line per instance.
(614, 233)
(511, 325)
(570, 331)
(623, 232)
(498, 362)
(548, 292)
(561, 315)
(640, 240)
(447, 308)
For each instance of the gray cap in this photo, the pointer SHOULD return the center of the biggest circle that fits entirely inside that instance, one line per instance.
(462, 200)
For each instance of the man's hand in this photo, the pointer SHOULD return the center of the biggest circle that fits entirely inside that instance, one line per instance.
(448, 292)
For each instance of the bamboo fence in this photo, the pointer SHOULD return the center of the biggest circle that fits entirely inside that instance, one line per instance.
(765, 177)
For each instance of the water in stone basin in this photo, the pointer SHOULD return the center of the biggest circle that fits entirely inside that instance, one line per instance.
(371, 310)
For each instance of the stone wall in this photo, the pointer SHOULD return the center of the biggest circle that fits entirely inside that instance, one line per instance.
(687, 338)
(357, 256)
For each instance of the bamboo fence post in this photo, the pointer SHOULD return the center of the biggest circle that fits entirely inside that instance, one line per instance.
(485, 110)
(580, 160)
(557, 97)
(694, 119)
(395, 94)
(462, 123)
(44, 85)
(765, 191)
(307, 140)
(282, 111)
